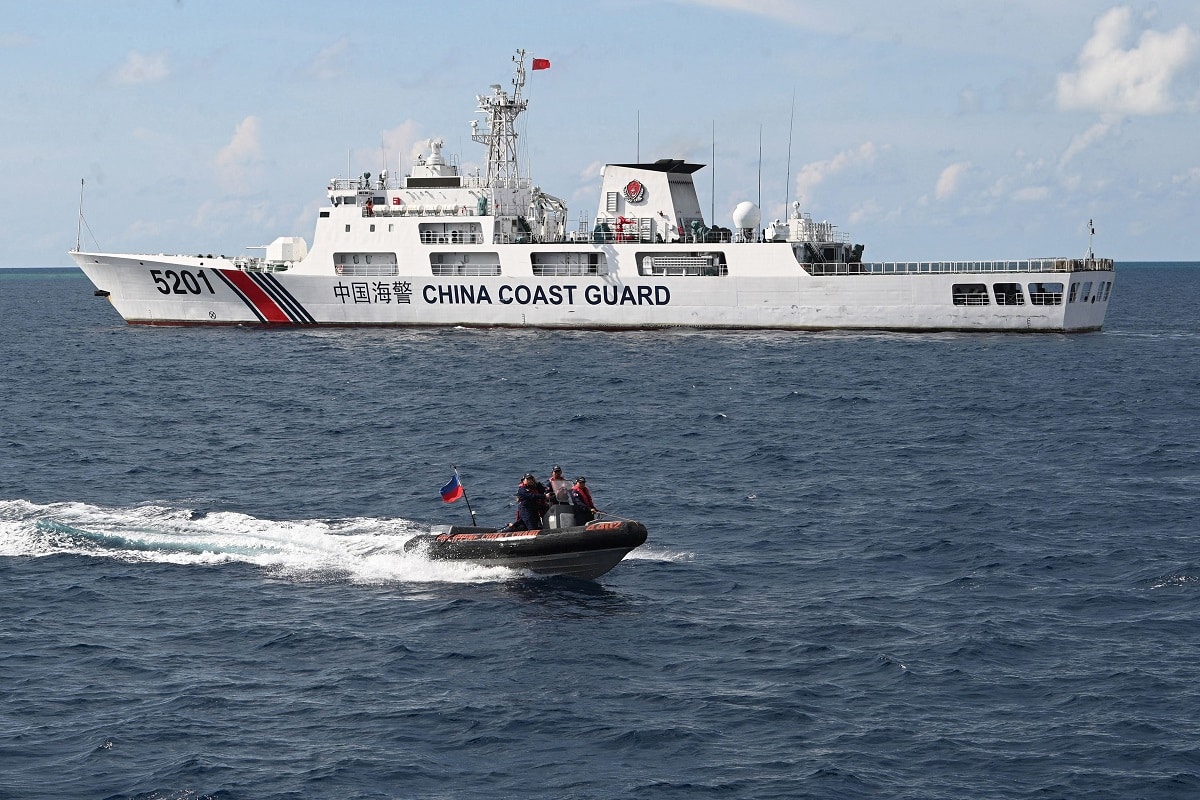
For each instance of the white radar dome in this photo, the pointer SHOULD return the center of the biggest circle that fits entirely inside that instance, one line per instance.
(746, 215)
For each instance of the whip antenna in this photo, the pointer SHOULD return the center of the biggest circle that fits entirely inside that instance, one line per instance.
(787, 184)
(79, 222)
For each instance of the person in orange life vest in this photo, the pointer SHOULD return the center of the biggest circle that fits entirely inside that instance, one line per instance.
(558, 488)
(581, 502)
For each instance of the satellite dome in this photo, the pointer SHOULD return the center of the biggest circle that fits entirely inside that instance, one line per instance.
(746, 215)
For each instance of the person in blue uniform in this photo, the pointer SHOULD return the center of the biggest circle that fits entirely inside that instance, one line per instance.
(531, 502)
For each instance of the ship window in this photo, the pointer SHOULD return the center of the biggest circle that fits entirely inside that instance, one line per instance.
(324, 213)
(970, 294)
(1008, 294)
(372, 228)
(1046, 294)
(706, 264)
(347, 229)
(445, 182)
(1085, 292)
(377, 264)
(1074, 292)
(572, 263)
(451, 233)
(474, 264)
(1107, 289)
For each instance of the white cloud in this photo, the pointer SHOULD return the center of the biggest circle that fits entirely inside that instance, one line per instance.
(218, 217)
(812, 175)
(592, 171)
(781, 10)
(399, 148)
(1031, 194)
(866, 210)
(141, 68)
(1089, 137)
(969, 101)
(1190, 176)
(143, 229)
(331, 61)
(406, 139)
(948, 181)
(238, 162)
(14, 40)
(1136, 80)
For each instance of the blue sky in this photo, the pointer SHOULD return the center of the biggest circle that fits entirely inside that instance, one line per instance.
(927, 129)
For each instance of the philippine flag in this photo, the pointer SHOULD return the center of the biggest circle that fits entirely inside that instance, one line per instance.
(452, 490)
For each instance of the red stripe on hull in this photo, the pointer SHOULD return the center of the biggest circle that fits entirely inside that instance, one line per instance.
(255, 295)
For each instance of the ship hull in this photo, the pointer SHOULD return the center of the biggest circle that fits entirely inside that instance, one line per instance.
(761, 291)
(585, 551)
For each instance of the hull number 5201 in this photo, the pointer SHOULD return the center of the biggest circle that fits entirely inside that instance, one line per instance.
(181, 282)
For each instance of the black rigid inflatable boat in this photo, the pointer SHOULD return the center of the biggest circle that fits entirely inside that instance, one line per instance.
(581, 551)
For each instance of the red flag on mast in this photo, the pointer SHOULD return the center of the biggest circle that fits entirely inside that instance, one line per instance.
(541, 63)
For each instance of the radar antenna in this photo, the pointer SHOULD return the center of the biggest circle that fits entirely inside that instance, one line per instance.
(500, 136)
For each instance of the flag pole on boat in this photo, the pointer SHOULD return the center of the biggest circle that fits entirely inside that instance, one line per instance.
(454, 489)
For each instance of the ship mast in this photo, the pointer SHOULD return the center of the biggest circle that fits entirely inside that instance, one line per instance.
(500, 136)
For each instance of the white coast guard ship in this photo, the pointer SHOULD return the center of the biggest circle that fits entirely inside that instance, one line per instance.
(442, 248)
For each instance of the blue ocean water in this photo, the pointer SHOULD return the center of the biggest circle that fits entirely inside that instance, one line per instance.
(879, 565)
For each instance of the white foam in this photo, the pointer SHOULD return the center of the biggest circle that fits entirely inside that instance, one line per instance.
(652, 553)
(359, 550)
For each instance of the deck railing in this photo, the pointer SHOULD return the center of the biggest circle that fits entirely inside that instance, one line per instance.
(962, 267)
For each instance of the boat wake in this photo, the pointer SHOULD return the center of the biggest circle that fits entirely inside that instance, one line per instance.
(660, 554)
(357, 550)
